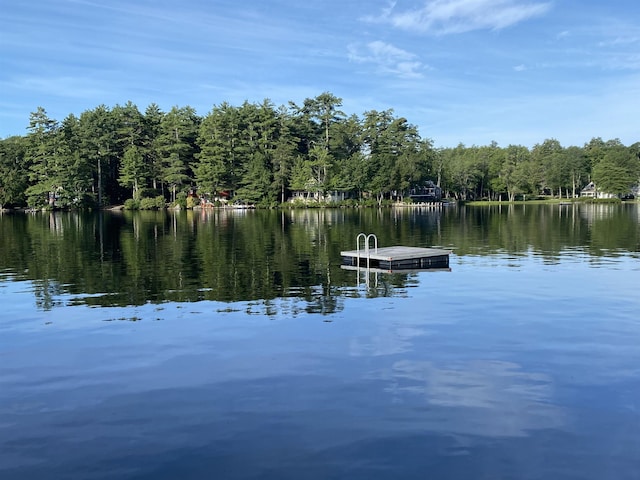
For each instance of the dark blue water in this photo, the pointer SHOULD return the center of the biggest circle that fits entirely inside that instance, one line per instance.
(509, 366)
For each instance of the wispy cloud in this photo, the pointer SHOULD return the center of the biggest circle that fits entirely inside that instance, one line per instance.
(609, 44)
(388, 59)
(619, 40)
(442, 17)
(60, 86)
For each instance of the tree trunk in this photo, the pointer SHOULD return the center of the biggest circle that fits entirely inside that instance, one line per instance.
(99, 182)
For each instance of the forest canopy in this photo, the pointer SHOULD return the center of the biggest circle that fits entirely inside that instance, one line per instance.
(259, 153)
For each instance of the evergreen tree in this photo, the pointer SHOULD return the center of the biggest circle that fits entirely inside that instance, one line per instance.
(74, 171)
(218, 158)
(177, 144)
(284, 154)
(379, 152)
(130, 126)
(325, 109)
(301, 175)
(42, 159)
(175, 173)
(98, 147)
(346, 151)
(13, 176)
(255, 184)
(152, 143)
(133, 171)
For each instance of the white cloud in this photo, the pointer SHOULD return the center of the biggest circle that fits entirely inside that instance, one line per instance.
(520, 68)
(458, 16)
(388, 58)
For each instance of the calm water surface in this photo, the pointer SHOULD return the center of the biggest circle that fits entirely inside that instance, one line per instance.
(232, 345)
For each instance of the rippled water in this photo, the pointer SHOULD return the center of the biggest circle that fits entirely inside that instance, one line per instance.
(521, 362)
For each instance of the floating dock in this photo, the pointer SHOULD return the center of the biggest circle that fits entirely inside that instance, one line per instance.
(394, 258)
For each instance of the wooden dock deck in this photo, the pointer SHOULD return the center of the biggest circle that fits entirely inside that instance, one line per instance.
(397, 258)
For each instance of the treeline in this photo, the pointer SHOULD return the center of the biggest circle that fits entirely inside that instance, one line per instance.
(260, 153)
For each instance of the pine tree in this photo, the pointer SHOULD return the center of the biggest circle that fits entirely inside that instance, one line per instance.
(133, 171)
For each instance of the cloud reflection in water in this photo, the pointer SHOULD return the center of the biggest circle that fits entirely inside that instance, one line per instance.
(486, 398)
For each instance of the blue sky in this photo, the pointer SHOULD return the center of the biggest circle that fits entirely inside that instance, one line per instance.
(462, 71)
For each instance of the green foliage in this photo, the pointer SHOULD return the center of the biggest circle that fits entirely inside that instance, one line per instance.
(261, 154)
(147, 203)
(157, 203)
(181, 200)
(616, 171)
(13, 177)
(131, 204)
(133, 170)
(349, 203)
(192, 202)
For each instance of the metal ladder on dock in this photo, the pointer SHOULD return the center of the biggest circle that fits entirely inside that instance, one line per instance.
(366, 241)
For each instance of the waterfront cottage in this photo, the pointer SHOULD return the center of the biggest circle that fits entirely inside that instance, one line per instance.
(591, 191)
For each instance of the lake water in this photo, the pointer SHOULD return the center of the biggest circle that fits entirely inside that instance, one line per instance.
(232, 345)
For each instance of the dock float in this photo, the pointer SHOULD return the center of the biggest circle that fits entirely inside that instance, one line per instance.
(393, 258)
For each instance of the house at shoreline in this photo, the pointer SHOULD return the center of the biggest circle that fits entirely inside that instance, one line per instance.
(591, 191)
(426, 193)
(316, 196)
